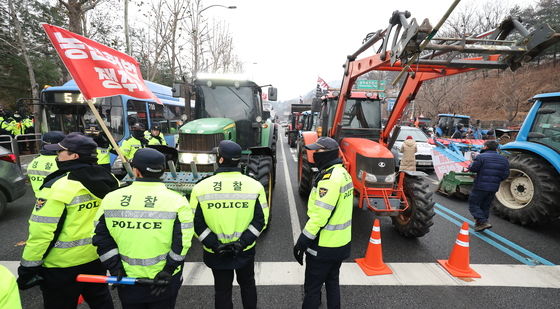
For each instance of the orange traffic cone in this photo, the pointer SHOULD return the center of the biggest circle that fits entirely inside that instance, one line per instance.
(458, 263)
(372, 264)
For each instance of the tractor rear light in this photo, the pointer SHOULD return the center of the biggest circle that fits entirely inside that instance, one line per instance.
(9, 158)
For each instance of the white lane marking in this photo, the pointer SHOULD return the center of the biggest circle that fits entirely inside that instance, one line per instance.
(294, 219)
(404, 274)
(294, 154)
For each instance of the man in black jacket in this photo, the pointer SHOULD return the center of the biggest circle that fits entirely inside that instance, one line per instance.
(491, 168)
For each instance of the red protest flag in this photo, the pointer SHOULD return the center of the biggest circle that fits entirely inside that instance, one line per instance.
(98, 70)
(322, 83)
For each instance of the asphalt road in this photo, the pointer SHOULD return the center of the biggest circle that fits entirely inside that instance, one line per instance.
(275, 246)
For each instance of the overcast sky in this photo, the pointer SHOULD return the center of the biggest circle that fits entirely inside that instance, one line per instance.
(290, 42)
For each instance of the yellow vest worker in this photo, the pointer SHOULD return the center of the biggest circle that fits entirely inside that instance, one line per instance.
(155, 137)
(134, 142)
(231, 211)
(9, 294)
(327, 234)
(44, 164)
(59, 244)
(144, 231)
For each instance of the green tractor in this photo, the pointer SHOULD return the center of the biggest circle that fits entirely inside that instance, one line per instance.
(224, 109)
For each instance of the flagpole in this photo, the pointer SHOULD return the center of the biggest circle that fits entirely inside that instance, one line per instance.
(95, 112)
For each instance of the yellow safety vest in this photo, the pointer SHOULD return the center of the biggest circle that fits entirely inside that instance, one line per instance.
(130, 146)
(227, 201)
(140, 219)
(40, 168)
(9, 293)
(330, 208)
(66, 205)
(103, 156)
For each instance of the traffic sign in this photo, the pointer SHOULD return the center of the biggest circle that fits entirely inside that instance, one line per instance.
(371, 84)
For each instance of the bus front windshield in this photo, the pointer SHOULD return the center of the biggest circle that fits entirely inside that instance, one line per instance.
(68, 112)
(228, 102)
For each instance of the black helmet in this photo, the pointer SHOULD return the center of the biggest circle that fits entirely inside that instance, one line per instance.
(156, 127)
(137, 127)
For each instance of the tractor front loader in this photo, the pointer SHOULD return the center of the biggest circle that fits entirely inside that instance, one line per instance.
(356, 122)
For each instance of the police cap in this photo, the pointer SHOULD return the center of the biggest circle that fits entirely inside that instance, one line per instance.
(326, 143)
(53, 137)
(137, 127)
(75, 142)
(148, 159)
(229, 150)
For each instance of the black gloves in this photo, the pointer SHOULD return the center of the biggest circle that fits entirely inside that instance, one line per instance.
(233, 248)
(301, 245)
(29, 277)
(161, 281)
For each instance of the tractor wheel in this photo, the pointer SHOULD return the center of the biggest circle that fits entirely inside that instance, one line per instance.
(417, 219)
(305, 174)
(292, 140)
(531, 193)
(261, 169)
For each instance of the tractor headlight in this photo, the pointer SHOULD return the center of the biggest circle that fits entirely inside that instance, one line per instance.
(390, 178)
(369, 177)
(198, 158)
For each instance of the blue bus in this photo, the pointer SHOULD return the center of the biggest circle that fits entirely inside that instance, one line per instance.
(64, 109)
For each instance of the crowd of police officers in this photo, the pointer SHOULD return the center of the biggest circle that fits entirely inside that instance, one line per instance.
(85, 222)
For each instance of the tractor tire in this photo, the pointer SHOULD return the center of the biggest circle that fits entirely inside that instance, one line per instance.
(3, 203)
(531, 193)
(261, 168)
(292, 140)
(305, 174)
(417, 220)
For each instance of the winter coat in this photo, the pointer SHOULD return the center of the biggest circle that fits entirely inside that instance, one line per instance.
(408, 161)
(491, 168)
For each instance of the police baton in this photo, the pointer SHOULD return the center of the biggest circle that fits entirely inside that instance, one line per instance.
(114, 280)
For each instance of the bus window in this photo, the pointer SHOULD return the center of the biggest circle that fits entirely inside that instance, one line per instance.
(136, 112)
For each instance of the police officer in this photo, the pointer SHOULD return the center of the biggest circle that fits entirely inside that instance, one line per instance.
(155, 137)
(231, 211)
(134, 142)
(45, 163)
(9, 294)
(103, 147)
(145, 231)
(327, 234)
(59, 244)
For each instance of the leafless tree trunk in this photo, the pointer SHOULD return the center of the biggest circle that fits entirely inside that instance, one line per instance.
(76, 10)
(24, 51)
(126, 32)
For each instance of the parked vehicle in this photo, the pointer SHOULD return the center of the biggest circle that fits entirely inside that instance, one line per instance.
(423, 153)
(12, 180)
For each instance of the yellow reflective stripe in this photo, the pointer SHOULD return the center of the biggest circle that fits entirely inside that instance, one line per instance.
(254, 230)
(229, 236)
(139, 214)
(42, 219)
(27, 263)
(72, 244)
(227, 196)
(308, 234)
(176, 257)
(143, 262)
(322, 204)
(38, 172)
(346, 187)
(109, 254)
(186, 225)
(334, 227)
(81, 199)
(204, 234)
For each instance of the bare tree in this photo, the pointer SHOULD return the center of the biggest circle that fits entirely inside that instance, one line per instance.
(21, 41)
(220, 46)
(76, 10)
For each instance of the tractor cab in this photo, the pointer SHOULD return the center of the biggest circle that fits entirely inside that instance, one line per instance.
(448, 122)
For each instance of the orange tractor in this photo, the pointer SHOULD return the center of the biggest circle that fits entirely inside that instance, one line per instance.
(354, 119)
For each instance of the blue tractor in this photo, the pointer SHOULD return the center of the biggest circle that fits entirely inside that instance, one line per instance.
(531, 194)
